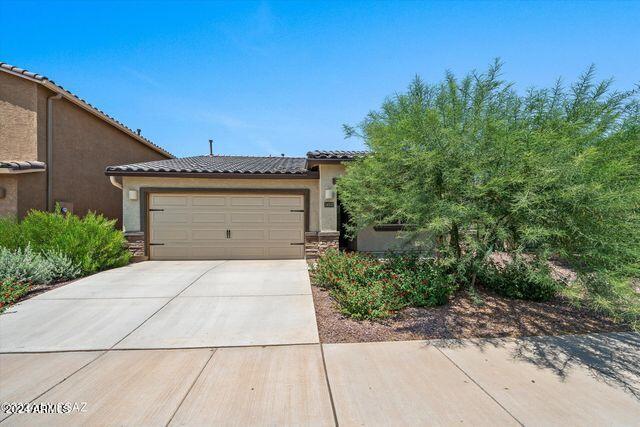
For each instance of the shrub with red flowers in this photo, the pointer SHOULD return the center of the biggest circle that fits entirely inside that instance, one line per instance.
(11, 291)
(366, 287)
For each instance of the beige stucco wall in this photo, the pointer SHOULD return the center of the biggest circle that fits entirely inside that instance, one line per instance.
(8, 203)
(131, 208)
(18, 118)
(370, 240)
(329, 215)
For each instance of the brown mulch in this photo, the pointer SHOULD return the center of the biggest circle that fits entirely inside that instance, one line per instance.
(461, 318)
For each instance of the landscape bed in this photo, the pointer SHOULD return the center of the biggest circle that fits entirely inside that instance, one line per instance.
(461, 318)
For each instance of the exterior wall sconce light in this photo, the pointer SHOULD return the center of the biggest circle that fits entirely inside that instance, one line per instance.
(328, 194)
(133, 195)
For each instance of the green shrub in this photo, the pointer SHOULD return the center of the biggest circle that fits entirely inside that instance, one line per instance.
(24, 266)
(519, 279)
(9, 233)
(368, 288)
(11, 291)
(91, 242)
(614, 297)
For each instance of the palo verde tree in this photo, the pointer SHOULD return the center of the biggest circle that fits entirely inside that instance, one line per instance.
(484, 168)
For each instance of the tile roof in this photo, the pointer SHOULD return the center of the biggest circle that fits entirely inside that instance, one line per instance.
(22, 165)
(334, 154)
(218, 164)
(50, 84)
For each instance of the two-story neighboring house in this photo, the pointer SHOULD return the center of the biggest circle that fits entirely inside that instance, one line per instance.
(54, 148)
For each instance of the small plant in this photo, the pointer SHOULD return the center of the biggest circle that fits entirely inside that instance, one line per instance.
(519, 279)
(62, 267)
(24, 266)
(11, 291)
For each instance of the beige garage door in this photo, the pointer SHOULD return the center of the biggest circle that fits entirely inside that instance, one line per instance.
(226, 226)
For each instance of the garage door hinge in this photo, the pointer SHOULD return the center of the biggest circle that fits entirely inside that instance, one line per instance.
(156, 210)
(296, 210)
(156, 244)
(297, 244)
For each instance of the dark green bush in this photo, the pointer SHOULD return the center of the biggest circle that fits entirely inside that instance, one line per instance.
(91, 242)
(519, 279)
(9, 233)
(367, 288)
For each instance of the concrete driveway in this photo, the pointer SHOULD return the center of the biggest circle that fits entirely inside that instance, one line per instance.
(235, 343)
(169, 304)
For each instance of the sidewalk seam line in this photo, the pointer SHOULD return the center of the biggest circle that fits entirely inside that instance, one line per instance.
(326, 377)
(165, 304)
(481, 388)
(102, 353)
(214, 350)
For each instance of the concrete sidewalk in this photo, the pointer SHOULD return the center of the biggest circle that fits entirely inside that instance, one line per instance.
(572, 380)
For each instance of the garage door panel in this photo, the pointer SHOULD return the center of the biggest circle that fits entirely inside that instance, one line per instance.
(293, 217)
(285, 252)
(249, 252)
(250, 217)
(209, 252)
(168, 234)
(249, 234)
(209, 234)
(170, 252)
(285, 201)
(209, 200)
(209, 217)
(168, 217)
(254, 201)
(292, 235)
(169, 200)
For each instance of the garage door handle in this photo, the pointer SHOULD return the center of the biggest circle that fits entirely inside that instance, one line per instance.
(156, 210)
(156, 244)
(296, 210)
(297, 244)
(228, 234)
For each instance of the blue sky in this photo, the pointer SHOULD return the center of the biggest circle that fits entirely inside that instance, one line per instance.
(266, 78)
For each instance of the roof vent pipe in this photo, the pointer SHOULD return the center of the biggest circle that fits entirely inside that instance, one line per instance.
(211, 147)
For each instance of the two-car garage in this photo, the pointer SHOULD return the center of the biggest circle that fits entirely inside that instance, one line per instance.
(225, 225)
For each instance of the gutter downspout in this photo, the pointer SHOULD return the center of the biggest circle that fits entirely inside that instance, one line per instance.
(50, 149)
(114, 182)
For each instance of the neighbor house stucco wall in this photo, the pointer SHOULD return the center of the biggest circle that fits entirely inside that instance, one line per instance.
(83, 146)
(18, 118)
(8, 203)
(131, 208)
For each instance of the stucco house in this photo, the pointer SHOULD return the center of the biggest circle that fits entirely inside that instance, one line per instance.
(54, 148)
(239, 207)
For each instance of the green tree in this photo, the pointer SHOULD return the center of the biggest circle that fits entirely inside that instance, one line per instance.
(484, 168)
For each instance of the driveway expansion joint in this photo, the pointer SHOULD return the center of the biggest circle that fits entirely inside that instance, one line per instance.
(167, 303)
